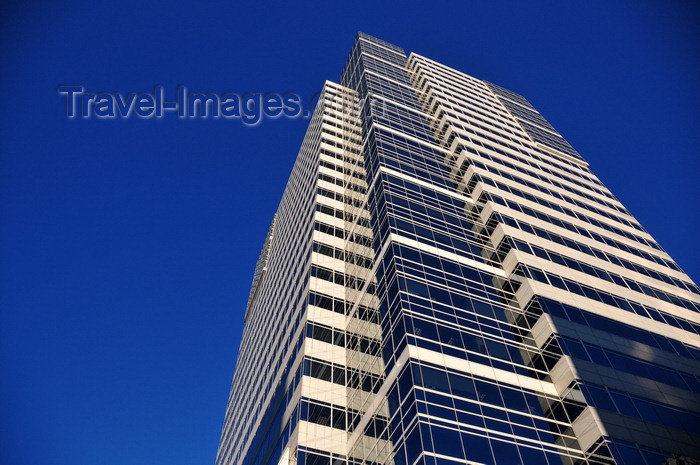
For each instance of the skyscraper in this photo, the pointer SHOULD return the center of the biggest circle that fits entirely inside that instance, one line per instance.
(446, 282)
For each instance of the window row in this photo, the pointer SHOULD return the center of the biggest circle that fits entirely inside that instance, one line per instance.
(336, 305)
(497, 218)
(343, 215)
(344, 184)
(607, 298)
(344, 255)
(571, 227)
(605, 275)
(618, 361)
(531, 153)
(495, 147)
(344, 158)
(311, 456)
(545, 179)
(340, 169)
(323, 413)
(342, 375)
(341, 146)
(346, 339)
(338, 277)
(641, 408)
(552, 205)
(341, 198)
(601, 323)
(341, 233)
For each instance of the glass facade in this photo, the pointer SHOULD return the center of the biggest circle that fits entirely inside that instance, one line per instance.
(447, 282)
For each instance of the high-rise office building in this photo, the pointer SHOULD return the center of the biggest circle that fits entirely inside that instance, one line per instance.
(446, 282)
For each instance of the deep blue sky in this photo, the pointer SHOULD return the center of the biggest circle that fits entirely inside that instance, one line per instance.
(128, 246)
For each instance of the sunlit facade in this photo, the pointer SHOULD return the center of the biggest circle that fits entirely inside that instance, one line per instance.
(446, 282)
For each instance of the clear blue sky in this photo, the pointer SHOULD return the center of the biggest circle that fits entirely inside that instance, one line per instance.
(128, 246)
